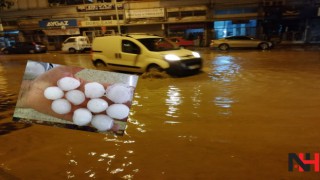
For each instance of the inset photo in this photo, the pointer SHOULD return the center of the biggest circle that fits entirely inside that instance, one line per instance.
(75, 98)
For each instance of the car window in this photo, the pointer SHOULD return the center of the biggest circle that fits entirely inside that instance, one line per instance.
(70, 40)
(174, 40)
(158, 44)
(130, 47)
(231, 38)
(244, 38)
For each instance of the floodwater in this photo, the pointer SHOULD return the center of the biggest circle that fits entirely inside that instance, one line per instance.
(238, 119)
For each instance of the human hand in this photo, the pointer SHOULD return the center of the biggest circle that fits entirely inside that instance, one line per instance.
(32, 91)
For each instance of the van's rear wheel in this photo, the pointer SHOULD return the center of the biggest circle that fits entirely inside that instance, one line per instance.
(72, 50)
(154, 68)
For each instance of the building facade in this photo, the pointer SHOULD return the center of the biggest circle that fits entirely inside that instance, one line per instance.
(52, 21)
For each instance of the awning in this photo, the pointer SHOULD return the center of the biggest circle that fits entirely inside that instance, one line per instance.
(59, 32)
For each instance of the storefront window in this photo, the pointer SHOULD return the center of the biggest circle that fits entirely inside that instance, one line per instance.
(229, 28)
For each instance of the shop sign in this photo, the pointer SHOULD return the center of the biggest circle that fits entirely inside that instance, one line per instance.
(144, 13)
(58, 23)
(98, 7)
(99, 23)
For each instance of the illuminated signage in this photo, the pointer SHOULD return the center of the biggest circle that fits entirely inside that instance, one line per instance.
(58, 23)
(99, 23)
(145, 13)
(99, 7)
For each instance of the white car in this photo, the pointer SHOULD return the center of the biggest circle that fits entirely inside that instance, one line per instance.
(239, 42)
(76, 44)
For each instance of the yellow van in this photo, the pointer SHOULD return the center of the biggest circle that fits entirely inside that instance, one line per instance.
(143, 53)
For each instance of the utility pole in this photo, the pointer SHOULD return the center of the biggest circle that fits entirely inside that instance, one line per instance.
(117, 15)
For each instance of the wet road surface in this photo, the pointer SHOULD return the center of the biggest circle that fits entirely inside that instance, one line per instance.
(238, 119)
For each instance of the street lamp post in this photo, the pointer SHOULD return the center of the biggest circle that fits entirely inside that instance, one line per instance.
(117, 15)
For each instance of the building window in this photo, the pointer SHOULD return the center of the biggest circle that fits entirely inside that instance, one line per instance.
(186, 13)
(182, 14)
(199, 13)
(69, 2)
(104, 1)
(173, 14)
(236, 11)
(106, 18)
(95, 18)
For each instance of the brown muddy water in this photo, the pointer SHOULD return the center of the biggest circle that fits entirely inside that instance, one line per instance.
(238, 119)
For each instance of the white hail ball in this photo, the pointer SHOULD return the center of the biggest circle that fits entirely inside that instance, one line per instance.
(119, 93)
(102, 122)
(61, 106)
(97, 105)
(94, 90)
(68, 83)
(53, 93)
(76, 97)
(82, 117)
(118, 111)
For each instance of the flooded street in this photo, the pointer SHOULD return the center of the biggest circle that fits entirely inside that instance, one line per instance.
(238, 119)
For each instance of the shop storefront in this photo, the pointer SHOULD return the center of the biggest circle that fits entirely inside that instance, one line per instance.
(235, 28)
(58, 30)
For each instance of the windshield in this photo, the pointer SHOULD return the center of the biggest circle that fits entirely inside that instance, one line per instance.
(158, 44)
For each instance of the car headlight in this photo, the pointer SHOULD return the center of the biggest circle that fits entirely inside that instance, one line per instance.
(172, 57)
(196, 55)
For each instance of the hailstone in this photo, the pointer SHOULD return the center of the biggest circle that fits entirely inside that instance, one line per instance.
(118, 111)
(97, 105)
(82, 117)
(53, 93)
(102, 122)
(94, 90)
(76, 97)
(61, 106)
(119, 93)
(68, 83)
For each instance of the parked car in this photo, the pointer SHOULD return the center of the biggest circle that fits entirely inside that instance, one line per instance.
(144, 53)
(239, 42)
(76, 44)
(25, 47)
(181, 42)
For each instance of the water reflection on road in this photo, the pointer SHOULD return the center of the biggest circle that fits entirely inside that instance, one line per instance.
(238, 119)
(173, 101)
